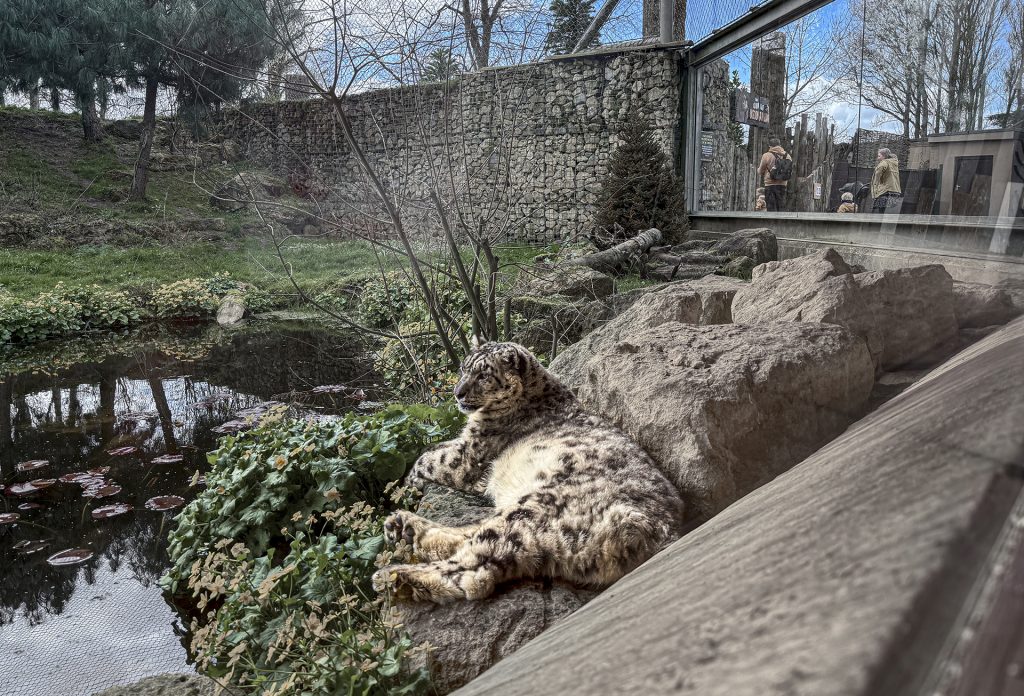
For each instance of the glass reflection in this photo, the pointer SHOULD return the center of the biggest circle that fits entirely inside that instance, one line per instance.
(905, 108)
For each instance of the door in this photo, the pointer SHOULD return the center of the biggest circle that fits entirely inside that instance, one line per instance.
(972, 185)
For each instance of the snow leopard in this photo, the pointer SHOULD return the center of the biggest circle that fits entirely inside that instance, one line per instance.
(575, 498)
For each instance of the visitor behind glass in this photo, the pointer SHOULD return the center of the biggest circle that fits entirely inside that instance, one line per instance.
(776, 167)
(885, 183)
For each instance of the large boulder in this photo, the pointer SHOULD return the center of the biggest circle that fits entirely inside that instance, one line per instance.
(468, 637)
(232, 310)
(905, 315)
(721, 408)
(714, 292)
(856, 573)
(978, 305)
(706, 300)
(758, 244)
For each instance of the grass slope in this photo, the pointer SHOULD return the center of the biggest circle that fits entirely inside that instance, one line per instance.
(47, 167)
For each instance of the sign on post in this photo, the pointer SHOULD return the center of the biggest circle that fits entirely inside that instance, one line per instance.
(707, 145)
(750, 109)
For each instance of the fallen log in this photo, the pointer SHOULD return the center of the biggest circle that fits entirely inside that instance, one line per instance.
(620, 256)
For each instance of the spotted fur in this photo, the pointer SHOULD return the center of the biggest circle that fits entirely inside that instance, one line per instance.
(575, 498)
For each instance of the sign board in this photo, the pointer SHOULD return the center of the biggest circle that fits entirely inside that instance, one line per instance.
(817, 192)
(707, 145)
(750, 109)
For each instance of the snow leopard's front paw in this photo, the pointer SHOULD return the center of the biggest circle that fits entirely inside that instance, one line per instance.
(422, 472)
(398, 527)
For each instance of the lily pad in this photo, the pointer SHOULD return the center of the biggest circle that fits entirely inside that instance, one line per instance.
(43, 483)
(31, 465)
(107, 511)
(25, 488)
(9, 517)
(102, 492)
(165, 502)
(168, 459)
(29, 547)
(99, 471)
(69, 557)
(73, 477)
(122, 451)
(30, 506)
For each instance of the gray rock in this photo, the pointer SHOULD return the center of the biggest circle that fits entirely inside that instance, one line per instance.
(573, 282)
(167, 685)
(905, 315)
(759, 244)
(721, 408)
(740, 267)
(232, 311)
(1014, 287)
(715, 292)
(978, 305)
(469, 637)
(845, 576)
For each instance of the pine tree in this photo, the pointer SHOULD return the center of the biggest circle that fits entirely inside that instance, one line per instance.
(441, 66)
(72, 44)
(640, 191)
(216, 44)
(735, 129)
(571, 19)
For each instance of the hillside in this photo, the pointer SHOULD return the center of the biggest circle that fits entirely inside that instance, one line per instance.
(57, 190)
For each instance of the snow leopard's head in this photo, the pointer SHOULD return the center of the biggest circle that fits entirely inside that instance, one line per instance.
(493, 376)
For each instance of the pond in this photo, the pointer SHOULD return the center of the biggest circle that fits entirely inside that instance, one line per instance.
(118, 421)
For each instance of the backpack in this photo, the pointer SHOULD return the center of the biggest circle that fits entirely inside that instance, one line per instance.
(782, 170)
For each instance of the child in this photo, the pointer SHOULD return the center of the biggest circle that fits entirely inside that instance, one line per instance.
(847, 206)
(760, 204)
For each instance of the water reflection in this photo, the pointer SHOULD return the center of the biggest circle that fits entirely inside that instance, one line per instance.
(78, 629)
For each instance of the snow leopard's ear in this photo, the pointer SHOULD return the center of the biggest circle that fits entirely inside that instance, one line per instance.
(476, 342)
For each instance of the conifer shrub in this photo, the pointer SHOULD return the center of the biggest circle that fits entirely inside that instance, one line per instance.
(640, 190)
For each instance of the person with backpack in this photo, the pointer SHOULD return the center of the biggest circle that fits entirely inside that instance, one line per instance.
(777, 168)
(885, 183)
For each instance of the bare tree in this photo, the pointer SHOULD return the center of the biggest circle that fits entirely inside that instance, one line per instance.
(927, 63)
(813, 47)
(443, 213)
(963, 34)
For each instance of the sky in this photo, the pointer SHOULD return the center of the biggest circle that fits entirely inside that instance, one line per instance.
(702, 17)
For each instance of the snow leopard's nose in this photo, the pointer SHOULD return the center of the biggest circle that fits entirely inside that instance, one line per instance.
(461, 389)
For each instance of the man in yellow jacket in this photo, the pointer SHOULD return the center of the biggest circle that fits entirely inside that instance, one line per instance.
(885, 183)
(776, 167)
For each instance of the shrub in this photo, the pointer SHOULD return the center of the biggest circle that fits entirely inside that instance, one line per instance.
(99, 308)
(263, 477)
(417, 365)
(185, 299)
(64, 311)
(640, 190)
(278, 551)
(309, 624)
(384, 301)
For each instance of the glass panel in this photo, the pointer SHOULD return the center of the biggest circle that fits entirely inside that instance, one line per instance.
(907, 107)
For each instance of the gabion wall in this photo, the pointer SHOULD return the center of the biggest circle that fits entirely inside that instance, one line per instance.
(519, 151)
